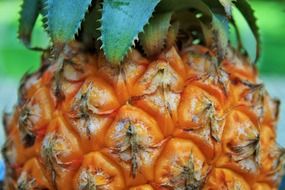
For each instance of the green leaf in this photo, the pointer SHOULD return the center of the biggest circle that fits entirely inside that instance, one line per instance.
(155, 33)
(64, 18)
(217, 35)
(248, 13)
(227, 4)
(221, 28)
(172, 34)
(215, 26)
(28, 15)
(122, 21)
(237, 35)
(246, 40)
(90, 27)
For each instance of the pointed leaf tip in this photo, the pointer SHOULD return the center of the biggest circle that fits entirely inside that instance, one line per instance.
(90, 27)
(64, 18)
(28, 15)
(122, 21)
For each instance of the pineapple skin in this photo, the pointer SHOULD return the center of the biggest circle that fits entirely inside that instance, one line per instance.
(177, 122)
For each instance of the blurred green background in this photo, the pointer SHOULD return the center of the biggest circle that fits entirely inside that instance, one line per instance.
(15, 60)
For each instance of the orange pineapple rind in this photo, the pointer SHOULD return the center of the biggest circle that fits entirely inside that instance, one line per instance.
(178, 121)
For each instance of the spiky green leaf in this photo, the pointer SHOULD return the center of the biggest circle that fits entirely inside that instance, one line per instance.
(90, 26)
(122, 21)
(28, 15)
(248, 13)
(63, 18)
(155, 33)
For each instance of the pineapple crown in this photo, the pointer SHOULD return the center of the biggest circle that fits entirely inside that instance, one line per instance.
(115, 26)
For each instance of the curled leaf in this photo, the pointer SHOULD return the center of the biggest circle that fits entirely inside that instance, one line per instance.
(172, 34)
(227, 4)
(173, 5)
(220, 29)
(155, 33)
(248, 13)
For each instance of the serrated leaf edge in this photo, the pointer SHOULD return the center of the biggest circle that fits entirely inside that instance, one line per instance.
(132, 44)
(45, 20)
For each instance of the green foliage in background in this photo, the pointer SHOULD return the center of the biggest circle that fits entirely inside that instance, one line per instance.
(15, 59)
(271, 15)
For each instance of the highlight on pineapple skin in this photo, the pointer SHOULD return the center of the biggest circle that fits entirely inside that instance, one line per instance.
(175, 122)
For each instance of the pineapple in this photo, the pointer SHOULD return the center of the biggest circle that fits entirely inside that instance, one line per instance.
(157, 98)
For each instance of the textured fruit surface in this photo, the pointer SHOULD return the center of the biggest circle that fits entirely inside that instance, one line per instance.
(176, 121)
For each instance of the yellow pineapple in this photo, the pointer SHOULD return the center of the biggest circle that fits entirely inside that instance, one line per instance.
(182, 109)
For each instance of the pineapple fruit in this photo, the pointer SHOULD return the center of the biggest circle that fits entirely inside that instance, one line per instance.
(183, 109)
